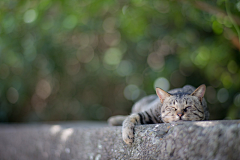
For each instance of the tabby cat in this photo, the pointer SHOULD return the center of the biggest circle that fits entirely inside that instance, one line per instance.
(181, 104)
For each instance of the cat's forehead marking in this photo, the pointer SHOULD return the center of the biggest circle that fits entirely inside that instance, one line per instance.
(180, 99)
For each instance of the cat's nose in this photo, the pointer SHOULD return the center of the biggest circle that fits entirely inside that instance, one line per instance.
(179, 114)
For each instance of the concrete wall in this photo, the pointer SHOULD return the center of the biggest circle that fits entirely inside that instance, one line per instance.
(72, 141)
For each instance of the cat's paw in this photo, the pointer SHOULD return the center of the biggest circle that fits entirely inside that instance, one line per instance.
(128, 128)
(128, 135)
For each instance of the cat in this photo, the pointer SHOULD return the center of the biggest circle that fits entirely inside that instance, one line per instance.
(180, 104)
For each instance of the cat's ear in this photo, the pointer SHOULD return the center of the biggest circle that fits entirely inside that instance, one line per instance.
(199, 92)
(162, 94)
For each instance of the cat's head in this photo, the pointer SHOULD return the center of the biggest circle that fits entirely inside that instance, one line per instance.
(182, 107)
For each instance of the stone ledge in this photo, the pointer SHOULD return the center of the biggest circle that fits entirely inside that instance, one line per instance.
(182, 140)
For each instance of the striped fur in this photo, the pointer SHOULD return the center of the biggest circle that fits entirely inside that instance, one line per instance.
(182, 104)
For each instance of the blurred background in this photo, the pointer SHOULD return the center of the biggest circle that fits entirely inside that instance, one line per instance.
(64, 60)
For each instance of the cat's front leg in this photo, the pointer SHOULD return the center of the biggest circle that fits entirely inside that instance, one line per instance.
(128, 128)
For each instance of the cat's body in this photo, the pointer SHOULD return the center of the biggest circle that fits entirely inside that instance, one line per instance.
(181, 104)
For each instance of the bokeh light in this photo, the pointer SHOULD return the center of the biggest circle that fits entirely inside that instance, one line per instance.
(131, 92)
(222, 95)
(12, 95)
(70, 22)
(237, 100)
(112, 58)
(125, 68)
(88, 60)
(29, 16)
(162, 83)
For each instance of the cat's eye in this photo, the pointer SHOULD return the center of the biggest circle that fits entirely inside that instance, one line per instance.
(174, 108)
(185, 109)
(168, 109)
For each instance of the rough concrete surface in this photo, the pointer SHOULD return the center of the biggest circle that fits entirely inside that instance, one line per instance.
(73, 141)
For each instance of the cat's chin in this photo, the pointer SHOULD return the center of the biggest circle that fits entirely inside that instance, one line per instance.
(176, 120)
(179, 121)
(182, 120)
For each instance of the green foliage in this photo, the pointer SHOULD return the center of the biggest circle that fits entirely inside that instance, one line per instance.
(90, 59)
